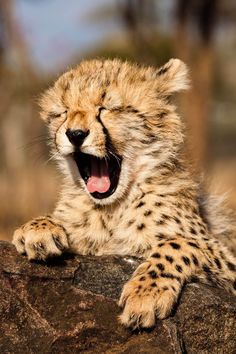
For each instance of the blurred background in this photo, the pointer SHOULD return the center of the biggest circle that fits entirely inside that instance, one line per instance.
(39, 39)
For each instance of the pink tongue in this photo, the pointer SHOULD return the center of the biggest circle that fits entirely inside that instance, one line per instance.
(99, 180)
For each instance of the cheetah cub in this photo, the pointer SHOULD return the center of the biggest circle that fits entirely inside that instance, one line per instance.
(127, 190)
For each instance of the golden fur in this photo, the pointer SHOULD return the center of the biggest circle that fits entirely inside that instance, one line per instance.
(156, 211)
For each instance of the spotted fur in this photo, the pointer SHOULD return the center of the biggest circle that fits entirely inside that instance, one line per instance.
(156, 212)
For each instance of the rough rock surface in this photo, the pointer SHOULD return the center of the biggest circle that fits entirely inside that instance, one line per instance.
(70, 306)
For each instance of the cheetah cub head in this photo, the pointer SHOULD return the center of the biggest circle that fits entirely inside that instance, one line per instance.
(112, 125)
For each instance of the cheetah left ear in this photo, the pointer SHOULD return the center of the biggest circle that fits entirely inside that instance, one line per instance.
(172, 77)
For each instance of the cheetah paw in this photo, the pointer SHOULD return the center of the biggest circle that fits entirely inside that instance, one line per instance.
(142, 304)
(40, 239)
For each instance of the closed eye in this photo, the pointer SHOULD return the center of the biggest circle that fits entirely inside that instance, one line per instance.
(53, 115)
(113, 109)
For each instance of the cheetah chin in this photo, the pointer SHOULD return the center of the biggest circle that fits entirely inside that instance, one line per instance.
(100, 175)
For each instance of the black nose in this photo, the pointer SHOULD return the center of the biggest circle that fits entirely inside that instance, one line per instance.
(77, 136)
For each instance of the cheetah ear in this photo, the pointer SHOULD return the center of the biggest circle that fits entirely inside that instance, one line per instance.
(172, 77)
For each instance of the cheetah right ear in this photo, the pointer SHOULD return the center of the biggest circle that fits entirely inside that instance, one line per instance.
(172, 77)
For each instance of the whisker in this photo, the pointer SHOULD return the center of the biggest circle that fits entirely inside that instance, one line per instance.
(39, 157)
(115, 156)
(52, 157)
(37, 140)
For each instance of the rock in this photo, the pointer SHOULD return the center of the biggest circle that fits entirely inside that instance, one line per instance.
(70, 306)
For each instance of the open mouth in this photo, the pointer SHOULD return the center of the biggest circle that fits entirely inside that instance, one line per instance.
(101, 176)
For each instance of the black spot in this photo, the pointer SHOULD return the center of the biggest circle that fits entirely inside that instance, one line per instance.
(165, 288)
(102, 222)
(218, 263)
(210, 249)
(202, 231)
(194, 279)
(140, 204)
(234, 284)
(206, 269)
(141, 226)
(173, 288)
(147, 213)
(195, 260)
(130, 222)
(153, 274)
(142, 278)
(222, 255)
(162, 115)
(161, 244)
(170, 276)
(177, 220)
(166, 217)
(175, 245)
(186, 260)
(156, 255)
(132, 109)
(179, 205)
(231, 266)
(160, 235)
(160, 222)
(153, 285)
(160, 266)
(139, 287)
(44, 224)
(193, 231)
(85, 222)
(193, 244)
(179, 268)
(169, 259)
(158, 204)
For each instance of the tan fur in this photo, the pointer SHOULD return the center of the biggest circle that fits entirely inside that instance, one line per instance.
(155, 211)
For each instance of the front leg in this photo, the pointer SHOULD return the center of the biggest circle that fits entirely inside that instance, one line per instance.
(155, 286)
(41, 238)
